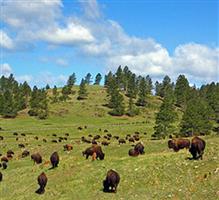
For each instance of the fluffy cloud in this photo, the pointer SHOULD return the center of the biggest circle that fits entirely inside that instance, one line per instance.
(26, 77)
(5, 69)
(92, 35)
(5, 41)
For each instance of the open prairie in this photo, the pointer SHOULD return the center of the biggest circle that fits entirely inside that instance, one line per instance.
(158, 174)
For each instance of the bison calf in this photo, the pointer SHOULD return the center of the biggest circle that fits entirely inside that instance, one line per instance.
(111, 182)
(42, 181)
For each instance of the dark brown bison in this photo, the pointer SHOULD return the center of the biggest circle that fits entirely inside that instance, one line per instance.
(67, 134)
(68, 147)
(80, 128)
(25, 153)
(111, 182)
(1, 176)
(177, 144)
(133, 152)
(21, 145)
(22, 134)
(4, 159)
(94, 142)
(131, 139)
(10, 152)
(44, 140)
(116, 137)
(42, 181)
(121, 141)
(54, 141)
(139, 147)
(37, 158)
(109, 135)
(197, 147)
(4, 165)
(54, 159)
(1, 137)
(36, 138)
(15, 133)
(54, 135)
(94, 149)
(105, 143)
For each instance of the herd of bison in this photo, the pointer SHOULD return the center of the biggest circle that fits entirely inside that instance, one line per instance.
(196, 147)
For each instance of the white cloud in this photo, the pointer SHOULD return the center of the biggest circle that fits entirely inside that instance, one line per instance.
(91, 8)
(48, 78)
(5, 41)
(5, 69)
(70, 35)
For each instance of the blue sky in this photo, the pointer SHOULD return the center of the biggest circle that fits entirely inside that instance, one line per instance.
(44, 41)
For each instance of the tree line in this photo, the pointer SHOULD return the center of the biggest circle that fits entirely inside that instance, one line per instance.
(199, 106)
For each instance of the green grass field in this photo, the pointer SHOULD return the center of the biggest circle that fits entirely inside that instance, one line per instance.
(158, 174)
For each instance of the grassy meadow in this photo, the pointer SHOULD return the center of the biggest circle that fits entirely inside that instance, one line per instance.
(158, 174)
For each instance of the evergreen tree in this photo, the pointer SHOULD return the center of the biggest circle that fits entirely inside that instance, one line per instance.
(71, 81)
(181, 91)
(65, 93)
(142, 93)
(166, 86)
(87, 79)
(120, 78)
(82, 93)
(149, 85)
(117, 102)
(55, 95)
(196, 118)
(132, 88)
(98, 79)
(34, 102)
(47, 87)
(165, 119)
(158, 88)
(9, 109)
(107, 78)
(132, 110)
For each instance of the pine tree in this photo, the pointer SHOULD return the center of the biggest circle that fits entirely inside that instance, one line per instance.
(98, 79)
(34, 102)
(149, 85)
(132, 110)
(165, 119)
(142, 93)
(158, 88)
(9, 109)
(166, 86)
(87, 79)
(196, 118)
(117, 102)
(82, 93)
(47, 87)
(55, 95)
(132, 88)
(71, 81)
(65, 93)
(181, 91)
(107, 78)
(120, 78)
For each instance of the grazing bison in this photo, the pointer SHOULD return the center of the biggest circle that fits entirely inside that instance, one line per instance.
(25, 153)
(23, 134)
(105, 143)
(42, 181)
(1, 137)
(1, 176)
(54, 141)
(54, 159)
(94, 149)
(96, 137)
(139, 147)
(4, 165)
(21, 145)
(80, 128)
(197, 147)
(4, 159)
(94, 142)
(133, 152)
(44, 140)
(111, 182)
(177, 144)
(36, 138)
(54, 135)
(67, 134)
(15, 133)
(37, 158)
(10, 152)
(116, 137)
(131, 139)
(121, 141)
(68, 147)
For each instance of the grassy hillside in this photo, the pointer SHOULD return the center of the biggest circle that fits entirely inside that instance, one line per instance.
(158, 174)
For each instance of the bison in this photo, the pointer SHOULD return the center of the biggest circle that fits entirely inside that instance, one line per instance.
(68, 147)
(197, 147)
(121, 141)
(42, 181)
(94, 149)
(4, 159)
(139, 147)
(21, 145)
(105, 143)
(111, 182)
(133, 152)
(4, 165)
(54, 159)
(1, 176)
(177, 144)
(25, 153)
(37, 158)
